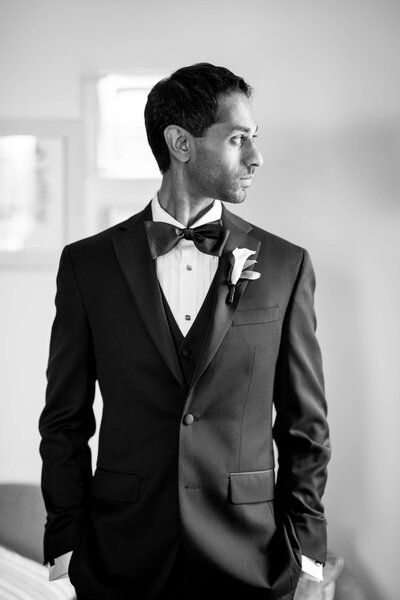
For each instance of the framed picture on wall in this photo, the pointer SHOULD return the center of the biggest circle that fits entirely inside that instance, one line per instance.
(40, 189)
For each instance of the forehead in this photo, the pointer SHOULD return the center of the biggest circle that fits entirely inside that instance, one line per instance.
(235, 111)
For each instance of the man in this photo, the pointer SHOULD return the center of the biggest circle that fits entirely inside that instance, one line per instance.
(192, 342)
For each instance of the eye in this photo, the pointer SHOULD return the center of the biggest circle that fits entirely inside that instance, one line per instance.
(238, 140)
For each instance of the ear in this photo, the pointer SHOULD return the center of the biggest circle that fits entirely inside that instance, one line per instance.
(178, 142)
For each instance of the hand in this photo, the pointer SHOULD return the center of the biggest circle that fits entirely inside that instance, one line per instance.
(308, 588)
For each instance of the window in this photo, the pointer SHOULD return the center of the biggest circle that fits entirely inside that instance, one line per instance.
(122, 148)
(121, 172)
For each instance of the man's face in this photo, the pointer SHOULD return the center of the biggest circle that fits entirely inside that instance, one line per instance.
(223, 161)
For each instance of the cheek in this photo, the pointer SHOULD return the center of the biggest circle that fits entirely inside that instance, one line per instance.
(227, 164)
(215, 168)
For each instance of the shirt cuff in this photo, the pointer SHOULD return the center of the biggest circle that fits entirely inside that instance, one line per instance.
(60, 568)
(312, 567)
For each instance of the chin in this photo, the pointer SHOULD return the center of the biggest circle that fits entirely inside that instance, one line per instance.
(235, 198)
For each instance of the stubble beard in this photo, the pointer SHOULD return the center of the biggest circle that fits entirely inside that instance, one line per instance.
(211, 184)
(233, 194)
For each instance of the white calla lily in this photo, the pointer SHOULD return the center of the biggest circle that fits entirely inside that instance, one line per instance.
(240, 257)
(239, 270)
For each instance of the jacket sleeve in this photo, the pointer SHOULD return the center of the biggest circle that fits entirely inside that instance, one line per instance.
(67, 421)
(300, 430)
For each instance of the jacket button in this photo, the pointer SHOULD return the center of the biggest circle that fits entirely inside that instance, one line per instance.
(185, 352)
(188, 419)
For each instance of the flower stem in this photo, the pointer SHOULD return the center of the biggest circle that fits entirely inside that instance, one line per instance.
(232, 289)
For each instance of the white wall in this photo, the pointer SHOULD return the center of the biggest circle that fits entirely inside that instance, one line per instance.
(328, 105)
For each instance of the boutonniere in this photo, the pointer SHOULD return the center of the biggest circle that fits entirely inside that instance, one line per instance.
(238, 270)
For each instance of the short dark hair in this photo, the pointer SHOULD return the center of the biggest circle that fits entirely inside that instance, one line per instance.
(189, 98)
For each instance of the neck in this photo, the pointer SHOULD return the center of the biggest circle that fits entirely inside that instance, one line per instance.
(177, 200)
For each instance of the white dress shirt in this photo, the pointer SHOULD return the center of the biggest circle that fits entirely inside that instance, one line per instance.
(185, 275)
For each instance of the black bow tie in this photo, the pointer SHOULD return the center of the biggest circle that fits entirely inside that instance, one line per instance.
(209, 238)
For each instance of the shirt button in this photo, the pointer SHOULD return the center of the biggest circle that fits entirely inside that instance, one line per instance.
(187, 317)
(188, 419)
(188, 267)
(185, 352)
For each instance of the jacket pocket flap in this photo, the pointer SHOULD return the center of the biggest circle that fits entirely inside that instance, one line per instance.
(252, 486)
(116, 485)
(256, 315)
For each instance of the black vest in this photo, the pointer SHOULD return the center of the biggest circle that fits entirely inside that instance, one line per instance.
(189, 347)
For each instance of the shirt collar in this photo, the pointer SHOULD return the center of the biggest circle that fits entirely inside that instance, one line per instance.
(159, 214)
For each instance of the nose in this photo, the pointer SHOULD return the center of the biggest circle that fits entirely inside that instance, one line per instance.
(254, 158)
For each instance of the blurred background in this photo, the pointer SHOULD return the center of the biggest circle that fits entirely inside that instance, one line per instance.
(73, 76)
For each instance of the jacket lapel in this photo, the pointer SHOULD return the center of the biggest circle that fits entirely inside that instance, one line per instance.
(224, 312)
(132, 250)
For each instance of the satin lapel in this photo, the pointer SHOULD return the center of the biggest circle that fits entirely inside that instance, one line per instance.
(132, 250)
(224, 312)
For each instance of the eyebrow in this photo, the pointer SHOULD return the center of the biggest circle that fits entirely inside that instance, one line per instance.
(244, 129)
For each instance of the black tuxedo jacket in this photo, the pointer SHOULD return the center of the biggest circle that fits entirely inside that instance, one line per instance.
(204, 484)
